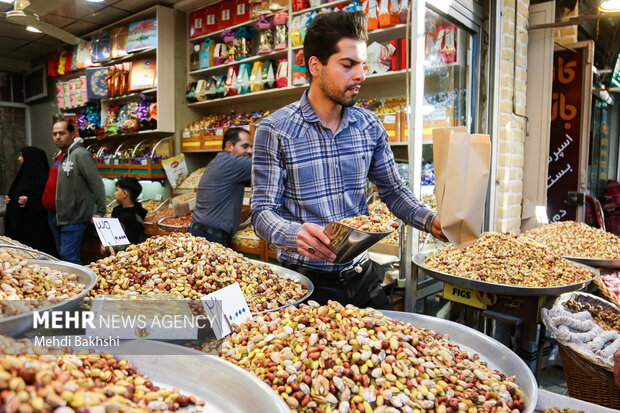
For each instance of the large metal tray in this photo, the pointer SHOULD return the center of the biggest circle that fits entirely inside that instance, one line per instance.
(497, 356)
(17, 324)
(293, 275)
(504, 289)
(597, 262)
(223, 386)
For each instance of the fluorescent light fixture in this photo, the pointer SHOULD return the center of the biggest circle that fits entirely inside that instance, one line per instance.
(33, 29)
(609, 5)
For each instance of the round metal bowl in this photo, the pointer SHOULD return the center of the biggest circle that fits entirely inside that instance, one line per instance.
(292, 275)
(17, 324)
(503, 289)
(347, 243)
(497, 356)
(612, 264)
(223, 386)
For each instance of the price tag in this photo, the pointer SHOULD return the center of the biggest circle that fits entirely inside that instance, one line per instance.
(110, 231)
(226, 307)
(478, 299)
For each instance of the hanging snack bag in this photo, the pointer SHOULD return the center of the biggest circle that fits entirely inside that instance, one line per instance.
(269, 74)
(266, 39)
(448, 43)
(220, 87)
(211, 91)
(176, 169)
(403, 11)
(244, 38)
(243, 78)
(387, 13)
(295, 32)
(371, 11)
(220, 54)
(232, 88)
(281, 40)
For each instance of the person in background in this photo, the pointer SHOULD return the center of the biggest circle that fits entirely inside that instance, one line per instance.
(311, 162)
(26, 219)
(220, 191)
(129, 212)
(74, 192)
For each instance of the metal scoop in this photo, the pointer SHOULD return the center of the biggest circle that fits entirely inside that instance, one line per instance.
(347, 243)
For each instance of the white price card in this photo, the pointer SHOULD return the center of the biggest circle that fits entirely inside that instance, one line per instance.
(226, 307)
(110, 231)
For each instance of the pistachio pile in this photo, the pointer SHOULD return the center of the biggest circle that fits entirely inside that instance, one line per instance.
(381, 210)
(25, 286)
(576, 239)
(372, 223)
(608, 320)
(151, 204)
(180, 263)
(347, 359)
(504, 258)
(82, 384)
(152, 218)
(559, 410)
(246, 237)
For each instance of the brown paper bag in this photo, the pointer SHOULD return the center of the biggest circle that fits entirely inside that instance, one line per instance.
(462, 164)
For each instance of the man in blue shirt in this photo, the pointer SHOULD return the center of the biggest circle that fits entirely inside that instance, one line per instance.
(311, 162)
(220, 191)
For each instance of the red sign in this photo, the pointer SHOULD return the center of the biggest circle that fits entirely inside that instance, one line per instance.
(564, 142)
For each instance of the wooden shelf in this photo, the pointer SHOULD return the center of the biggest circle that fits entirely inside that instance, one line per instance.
(238, 62)
(321, 6)
(388, 33)
(129, 135)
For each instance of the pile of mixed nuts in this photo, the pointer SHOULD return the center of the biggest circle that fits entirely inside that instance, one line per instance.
(182, 264)
(346, 359)
(504, 258)
(82, 384)
(577, 239)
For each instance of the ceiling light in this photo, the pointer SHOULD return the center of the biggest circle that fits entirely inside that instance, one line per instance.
(95, 1)
(609, 5)
(7, 1)
(33, 29)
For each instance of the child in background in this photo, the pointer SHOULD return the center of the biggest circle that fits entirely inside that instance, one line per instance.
(129, 211)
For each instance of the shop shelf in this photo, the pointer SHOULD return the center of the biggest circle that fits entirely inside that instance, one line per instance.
(284, 91)
(134, 55)
(238, 62)
(218, 32)
(130, 96)
(321, 6)
(388, 33)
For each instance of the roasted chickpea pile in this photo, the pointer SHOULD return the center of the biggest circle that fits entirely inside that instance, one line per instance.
(180, 263)
(246, 237)
(25, 286)
(151, 204)
(507, 259)
(608, 320)
(346, 359)
(370, 223)
(82, 384)
(576, 239)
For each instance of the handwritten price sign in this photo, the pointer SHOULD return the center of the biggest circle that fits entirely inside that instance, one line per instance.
(110, 231)
(226, 307)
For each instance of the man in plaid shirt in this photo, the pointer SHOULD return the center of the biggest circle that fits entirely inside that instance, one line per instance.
(312, 159)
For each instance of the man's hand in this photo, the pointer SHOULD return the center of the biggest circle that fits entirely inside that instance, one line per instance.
(6, 200)
(436, 230)
(313, 243)
(94, 216)
(22, 201)
(617, 368)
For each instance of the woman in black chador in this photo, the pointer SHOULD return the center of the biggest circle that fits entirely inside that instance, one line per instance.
(26, 220)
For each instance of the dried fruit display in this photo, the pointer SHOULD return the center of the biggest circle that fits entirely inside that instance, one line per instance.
(381, 210)
(246, 237)
(507, 259)
(608, 320)
(155, 217)
(182, 222)
(90, 383)
(180, 263)
(370, 223)
(559, 410)
(576, 239)
(25, 286)
(347, 359)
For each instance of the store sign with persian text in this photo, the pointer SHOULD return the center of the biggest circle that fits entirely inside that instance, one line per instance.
(564, 142)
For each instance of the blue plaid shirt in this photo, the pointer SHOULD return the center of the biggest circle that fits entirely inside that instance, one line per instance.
(302, 172)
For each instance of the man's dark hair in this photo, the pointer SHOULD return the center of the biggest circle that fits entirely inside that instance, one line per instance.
(232, 136)
(70, 126)
(130, 185)
(326, 30)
